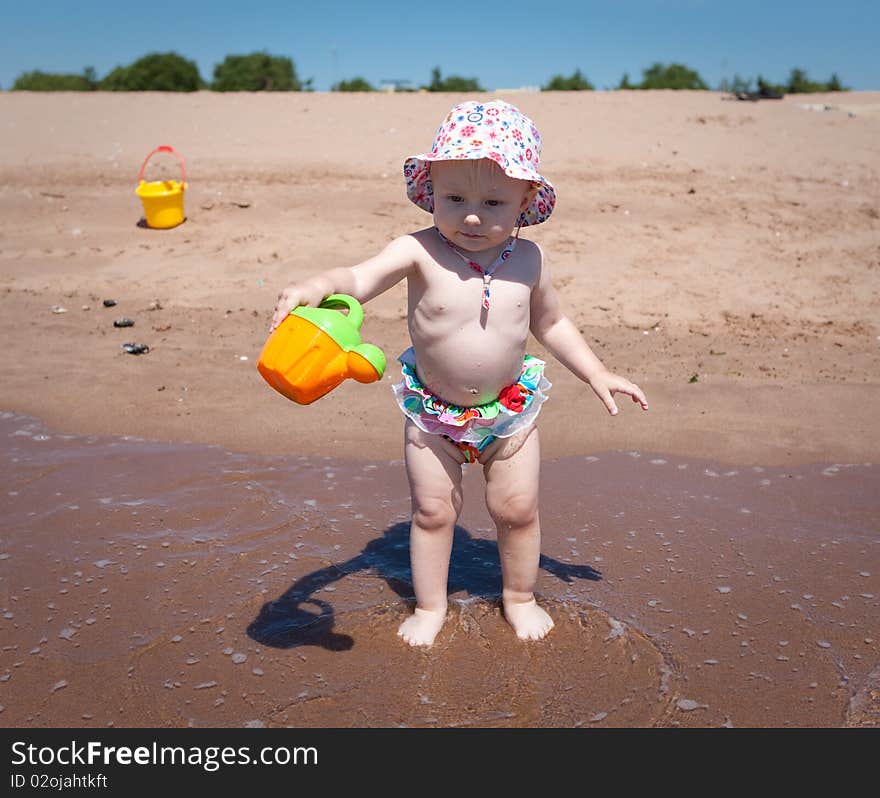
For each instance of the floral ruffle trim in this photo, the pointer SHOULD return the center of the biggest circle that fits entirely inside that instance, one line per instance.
(512, 400)
(516, 407)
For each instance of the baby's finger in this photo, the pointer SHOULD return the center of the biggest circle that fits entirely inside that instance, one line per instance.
(630, 389)
(277, 318)
(284, 306)
(606, 397)
(638, 395)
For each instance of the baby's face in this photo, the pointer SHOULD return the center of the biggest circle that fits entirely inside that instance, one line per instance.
(476, 205)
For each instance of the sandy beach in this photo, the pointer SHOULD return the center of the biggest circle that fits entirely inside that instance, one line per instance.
(182, 546)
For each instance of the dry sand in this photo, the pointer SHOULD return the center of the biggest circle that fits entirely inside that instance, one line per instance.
(735, 243)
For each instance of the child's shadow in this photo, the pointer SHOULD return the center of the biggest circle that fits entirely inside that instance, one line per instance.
(474, 567)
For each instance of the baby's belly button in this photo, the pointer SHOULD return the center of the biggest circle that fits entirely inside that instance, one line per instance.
(475, 383)
(469, 394)
(464, 380)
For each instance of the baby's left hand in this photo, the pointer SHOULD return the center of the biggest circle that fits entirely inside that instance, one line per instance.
(606, 384)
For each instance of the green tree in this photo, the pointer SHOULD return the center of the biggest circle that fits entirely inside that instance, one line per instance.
(799, 83)
(47, 81)
(673, 76)
(576, 82)
(452, 83)
(256, 72)
(155, 72)
(834, 84)
(355, 84)
(741, 85)
(624, 82)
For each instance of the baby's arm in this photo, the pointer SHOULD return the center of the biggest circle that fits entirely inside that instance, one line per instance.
(363, 281)
(557, 332)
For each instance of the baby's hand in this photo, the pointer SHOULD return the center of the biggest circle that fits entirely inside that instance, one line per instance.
(606, 384)
(293, 296)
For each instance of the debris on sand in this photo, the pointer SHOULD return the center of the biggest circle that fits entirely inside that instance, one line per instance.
(764, 93)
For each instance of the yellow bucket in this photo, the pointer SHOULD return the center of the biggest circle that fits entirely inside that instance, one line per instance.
(162, 199)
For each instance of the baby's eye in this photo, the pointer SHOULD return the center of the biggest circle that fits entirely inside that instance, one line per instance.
(454, 198)
(493, 203)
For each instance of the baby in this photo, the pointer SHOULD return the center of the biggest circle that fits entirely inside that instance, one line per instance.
(469, 391)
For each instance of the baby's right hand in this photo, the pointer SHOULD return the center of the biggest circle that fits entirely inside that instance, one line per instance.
(293, 296)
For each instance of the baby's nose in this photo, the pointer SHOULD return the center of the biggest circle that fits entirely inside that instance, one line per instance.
(472, 218)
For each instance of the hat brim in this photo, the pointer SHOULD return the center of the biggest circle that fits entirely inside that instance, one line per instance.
(416, 172)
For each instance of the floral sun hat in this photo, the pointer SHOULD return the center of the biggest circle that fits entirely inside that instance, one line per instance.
(495, 130)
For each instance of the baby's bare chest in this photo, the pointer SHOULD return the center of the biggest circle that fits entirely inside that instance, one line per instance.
(453, 297)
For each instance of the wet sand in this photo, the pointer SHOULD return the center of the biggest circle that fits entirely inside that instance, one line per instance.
(150, 584)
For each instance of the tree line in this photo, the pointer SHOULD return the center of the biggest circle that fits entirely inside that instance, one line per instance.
(264, 72)
(172, 72)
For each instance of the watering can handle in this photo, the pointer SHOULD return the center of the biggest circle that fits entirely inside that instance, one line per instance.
(355, 311)
(163, 148)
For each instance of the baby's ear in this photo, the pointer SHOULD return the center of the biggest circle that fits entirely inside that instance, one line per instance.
(529, 197)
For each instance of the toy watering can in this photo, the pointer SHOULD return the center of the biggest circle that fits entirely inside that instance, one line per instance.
(314, 349)
(162, 199)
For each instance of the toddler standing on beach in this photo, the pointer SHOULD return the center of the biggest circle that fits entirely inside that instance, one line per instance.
(469, 391)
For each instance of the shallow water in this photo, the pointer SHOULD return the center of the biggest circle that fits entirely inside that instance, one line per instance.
(146, 583)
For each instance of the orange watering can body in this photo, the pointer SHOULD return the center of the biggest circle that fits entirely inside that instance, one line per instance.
(315, 349)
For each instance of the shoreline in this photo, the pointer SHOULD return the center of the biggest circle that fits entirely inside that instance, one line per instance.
(735, 447)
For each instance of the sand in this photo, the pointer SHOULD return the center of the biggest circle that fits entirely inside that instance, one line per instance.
(723, 254)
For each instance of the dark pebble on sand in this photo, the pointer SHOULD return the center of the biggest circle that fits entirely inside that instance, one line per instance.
(123, 323)
(136, 349)
(109, 303)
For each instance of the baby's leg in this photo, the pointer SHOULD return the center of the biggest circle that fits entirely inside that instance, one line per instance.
(433, 466)
(512, 471)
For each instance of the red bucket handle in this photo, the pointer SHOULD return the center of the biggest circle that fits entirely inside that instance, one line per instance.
(163, 148)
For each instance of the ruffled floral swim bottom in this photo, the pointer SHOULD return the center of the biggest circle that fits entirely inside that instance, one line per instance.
(472, 429)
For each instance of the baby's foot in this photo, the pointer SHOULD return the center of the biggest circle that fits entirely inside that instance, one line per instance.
(422, 626)
(528, 620)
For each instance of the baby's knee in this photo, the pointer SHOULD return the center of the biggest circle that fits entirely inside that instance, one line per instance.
(434, 514)
(518, 509)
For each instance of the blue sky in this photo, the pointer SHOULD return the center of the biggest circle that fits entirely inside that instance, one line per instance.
(503, 43)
